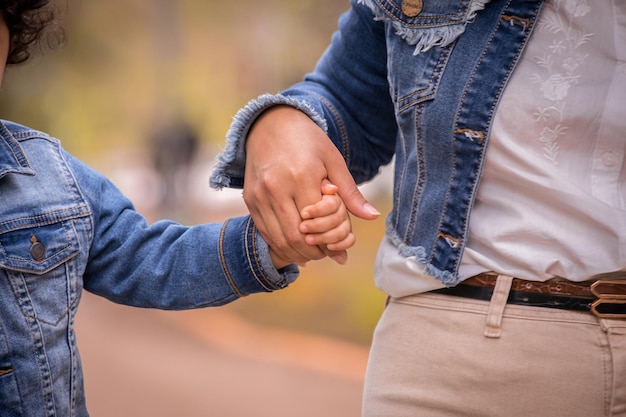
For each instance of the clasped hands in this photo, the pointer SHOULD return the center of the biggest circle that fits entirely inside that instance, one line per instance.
(298, 189)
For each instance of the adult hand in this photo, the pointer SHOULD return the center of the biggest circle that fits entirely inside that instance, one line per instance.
(287, 158)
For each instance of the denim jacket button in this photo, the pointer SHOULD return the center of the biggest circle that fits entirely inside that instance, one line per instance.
(37, 250)
(412, 8)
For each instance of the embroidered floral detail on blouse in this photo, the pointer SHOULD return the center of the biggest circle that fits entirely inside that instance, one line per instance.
(559, 68)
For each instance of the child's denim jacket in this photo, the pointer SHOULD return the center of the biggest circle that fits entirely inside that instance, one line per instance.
(64, 227)
(419, 80)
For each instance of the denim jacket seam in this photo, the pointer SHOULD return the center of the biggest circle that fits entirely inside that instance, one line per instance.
(75, 364)
(20, 159)
(253, 259)
(28, 133)
(47, 218)
(432, 84)
(398, 182)
(412, 219)
(71, 182)
(444, 210)
(62, 317)
(89, 213)
(229, 276)
(343, 133)
(421, 170)
(27, 271)
(39, 351)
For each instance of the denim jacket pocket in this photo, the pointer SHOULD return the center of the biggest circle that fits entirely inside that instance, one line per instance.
(35, 259)
(419, 42)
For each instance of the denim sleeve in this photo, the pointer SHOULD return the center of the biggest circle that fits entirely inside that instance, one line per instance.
(167, 265)
(347, 95)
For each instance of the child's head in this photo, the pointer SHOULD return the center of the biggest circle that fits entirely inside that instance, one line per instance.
(25, 21)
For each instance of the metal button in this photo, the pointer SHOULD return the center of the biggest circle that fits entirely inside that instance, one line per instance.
(37, 249)
(412, 8)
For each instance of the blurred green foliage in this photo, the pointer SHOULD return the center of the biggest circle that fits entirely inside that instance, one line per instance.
(130, 65)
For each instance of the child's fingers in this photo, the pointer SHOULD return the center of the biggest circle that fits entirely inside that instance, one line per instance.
(326, 206)
(344, 245)
(333, 217)
(335, 234)
(327, 224)
(329, 188)
(322, 224)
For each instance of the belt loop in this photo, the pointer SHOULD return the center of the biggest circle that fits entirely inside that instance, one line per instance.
(493, 325)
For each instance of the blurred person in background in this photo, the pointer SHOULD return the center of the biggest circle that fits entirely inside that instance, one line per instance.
(505, 252)
(64, 228)
(174, 147)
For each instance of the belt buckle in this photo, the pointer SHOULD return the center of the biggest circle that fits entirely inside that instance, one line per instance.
(611, 298)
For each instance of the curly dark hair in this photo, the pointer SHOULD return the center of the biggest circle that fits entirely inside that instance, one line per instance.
(27, 21)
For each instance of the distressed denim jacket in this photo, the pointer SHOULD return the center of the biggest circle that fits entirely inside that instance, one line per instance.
(64, 227)
(418, 80)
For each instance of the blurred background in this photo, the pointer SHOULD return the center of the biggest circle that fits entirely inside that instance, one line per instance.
(144, 91)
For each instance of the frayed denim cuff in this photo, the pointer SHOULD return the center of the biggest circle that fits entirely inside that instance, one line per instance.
(230, 165)
(246, 260)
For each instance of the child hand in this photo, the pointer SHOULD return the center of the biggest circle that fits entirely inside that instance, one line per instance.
(327, 222)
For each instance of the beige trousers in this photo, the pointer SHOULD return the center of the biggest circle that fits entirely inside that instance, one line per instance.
(442, 356)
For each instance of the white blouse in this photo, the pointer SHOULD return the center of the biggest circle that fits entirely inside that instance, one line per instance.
(552, 199)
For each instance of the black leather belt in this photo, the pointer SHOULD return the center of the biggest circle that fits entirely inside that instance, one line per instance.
(604, 295)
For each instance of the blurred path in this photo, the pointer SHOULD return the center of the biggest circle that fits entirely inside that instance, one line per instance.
(210, 363)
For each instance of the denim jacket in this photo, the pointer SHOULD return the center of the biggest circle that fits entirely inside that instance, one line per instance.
(421, 85)
(64, 227)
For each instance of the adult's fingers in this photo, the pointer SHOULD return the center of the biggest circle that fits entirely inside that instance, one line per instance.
(339, 175)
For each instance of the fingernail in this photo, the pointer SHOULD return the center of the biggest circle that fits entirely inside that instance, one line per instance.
(306, 215)
(340, 259)
(371, 210)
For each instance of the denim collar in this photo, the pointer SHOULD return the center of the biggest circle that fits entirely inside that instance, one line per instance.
(12, 157)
